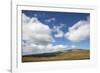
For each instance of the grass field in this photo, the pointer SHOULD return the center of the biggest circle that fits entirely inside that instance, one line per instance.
(68, 55)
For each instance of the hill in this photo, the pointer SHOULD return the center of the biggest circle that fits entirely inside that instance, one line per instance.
(71, 54)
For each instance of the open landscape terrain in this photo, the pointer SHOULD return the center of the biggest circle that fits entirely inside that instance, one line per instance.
(73, 54)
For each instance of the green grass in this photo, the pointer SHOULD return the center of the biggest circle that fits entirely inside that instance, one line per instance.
(69, 55)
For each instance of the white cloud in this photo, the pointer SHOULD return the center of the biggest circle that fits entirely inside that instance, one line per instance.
(33, 49)
(25, 19)
(73, 46)
(60, 47)
(35, 35)
(79, 31)
(37, 49)
(51, 19)
(35, 32)
(59, 32)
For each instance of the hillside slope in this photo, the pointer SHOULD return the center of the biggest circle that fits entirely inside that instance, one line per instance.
(73, 54)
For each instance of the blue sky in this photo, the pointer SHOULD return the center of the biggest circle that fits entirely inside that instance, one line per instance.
(63, 21)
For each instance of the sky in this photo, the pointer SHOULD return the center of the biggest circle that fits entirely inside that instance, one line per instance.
(47, 31)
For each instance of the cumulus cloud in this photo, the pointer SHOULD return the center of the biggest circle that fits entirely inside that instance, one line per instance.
(35, 35)
(35, 32)
(79, 31)
(59, 32)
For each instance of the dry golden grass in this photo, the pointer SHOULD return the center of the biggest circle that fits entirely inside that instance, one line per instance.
(73, 55)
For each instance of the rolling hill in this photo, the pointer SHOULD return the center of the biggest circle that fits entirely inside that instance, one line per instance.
(71, 54)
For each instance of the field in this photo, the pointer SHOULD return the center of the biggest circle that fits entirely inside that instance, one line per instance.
(57, 56)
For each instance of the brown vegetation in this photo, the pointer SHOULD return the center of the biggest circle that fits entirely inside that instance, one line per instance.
(68, 55)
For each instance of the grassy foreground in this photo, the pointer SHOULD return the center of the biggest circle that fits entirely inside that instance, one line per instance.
(68, 55)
